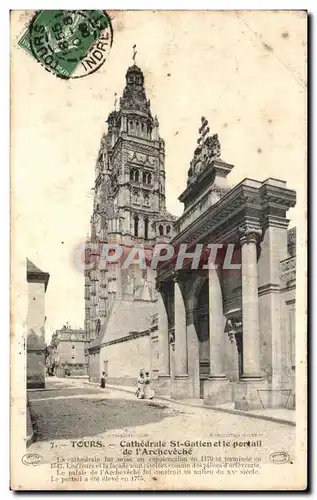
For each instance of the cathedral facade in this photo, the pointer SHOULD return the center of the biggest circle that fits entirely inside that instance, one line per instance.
(223, 333)
(129, 210)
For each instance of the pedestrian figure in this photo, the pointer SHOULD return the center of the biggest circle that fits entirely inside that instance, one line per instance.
(103, 380)
(140, 388)
(148, 391)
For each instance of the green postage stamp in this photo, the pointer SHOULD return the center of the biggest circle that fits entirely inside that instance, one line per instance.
(70, 44)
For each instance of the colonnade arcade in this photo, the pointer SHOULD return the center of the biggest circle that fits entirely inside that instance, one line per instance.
(193, 328)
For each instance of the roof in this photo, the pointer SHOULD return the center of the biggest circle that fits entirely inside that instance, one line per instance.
(35, 275)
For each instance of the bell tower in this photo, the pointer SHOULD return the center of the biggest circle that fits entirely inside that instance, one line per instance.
(129, 196)
(136, 164)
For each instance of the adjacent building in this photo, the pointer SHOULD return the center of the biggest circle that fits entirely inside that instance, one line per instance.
(67, 353)
(35, 341)
(218, 333)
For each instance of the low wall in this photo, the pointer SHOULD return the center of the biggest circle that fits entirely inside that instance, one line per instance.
(123, 360)
(35, 369)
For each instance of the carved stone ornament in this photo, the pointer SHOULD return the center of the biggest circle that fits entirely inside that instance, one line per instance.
(249, 234)
(233, 325)
(175, 276)
(208, 149)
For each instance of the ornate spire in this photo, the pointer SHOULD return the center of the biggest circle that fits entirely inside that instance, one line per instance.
(134, 97)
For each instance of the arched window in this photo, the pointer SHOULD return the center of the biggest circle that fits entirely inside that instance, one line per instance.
(146, 228)
(134, 175)
(161, 230)
(130, 125)
(144, 177)
(149, 179)
(136, 226)
(168, 229)
(146, 200)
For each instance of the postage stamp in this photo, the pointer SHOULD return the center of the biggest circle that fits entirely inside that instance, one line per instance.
(69, 43)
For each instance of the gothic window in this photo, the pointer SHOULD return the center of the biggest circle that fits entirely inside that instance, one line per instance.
(161, 230)
(146, 200)
(134, 175)
(168, 229)
(149, 178)
(146, 228)
(136, 226)
(144, 177)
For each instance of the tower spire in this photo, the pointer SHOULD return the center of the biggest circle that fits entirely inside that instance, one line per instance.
(134, 53)
(115, 101)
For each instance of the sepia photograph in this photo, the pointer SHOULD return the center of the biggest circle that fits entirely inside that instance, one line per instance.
(158, 250)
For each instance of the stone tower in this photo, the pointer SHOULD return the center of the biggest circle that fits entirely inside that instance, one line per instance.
(129, 204)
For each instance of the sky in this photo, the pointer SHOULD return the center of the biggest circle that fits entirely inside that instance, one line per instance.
(244, 71)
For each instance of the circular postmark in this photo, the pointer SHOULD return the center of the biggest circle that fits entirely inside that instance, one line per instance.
(32, 459)
(70, 43)
(279, 457)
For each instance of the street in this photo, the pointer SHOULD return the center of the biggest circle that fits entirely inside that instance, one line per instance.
(69, 411)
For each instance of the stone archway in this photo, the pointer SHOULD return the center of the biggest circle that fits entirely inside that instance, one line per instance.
(205, 331)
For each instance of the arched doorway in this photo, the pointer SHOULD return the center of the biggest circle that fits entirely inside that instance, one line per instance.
(201, 320)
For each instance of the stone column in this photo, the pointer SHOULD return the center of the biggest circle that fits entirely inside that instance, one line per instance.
(163, 335)
(217, 388)
(180, 330)
(250, 303)
(248, 390)
(216, 326)
(180, 387)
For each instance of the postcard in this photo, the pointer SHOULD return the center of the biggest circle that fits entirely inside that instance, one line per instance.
(158, 250)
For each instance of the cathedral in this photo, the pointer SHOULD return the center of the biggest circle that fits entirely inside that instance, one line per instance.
(225, 335)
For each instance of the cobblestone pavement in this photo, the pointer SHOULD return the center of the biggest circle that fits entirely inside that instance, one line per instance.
(71, 410)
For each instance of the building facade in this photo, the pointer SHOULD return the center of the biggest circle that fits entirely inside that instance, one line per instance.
(224, 334)
(231, 320)
(35, 341)
(67, 353)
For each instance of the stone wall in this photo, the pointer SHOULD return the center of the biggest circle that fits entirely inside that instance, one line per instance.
(35, 372)
(36, 336)
(122, 361)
